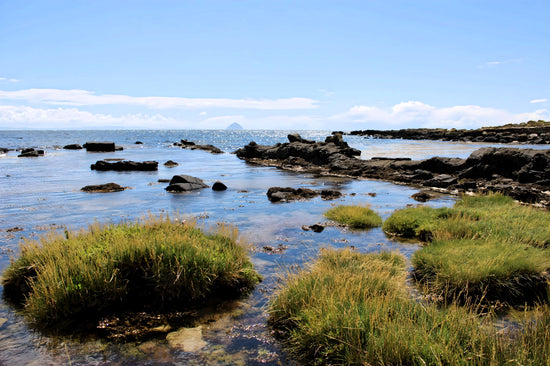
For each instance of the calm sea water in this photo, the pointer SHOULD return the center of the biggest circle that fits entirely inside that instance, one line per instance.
(37, 194)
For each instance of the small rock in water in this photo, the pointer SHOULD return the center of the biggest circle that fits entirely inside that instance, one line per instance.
(188, 339)
(219, 186)
(170, 164)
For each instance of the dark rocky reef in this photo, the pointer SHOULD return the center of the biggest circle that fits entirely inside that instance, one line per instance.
(184, 144)
(532, 132)
(125, 165)
(101, 146)
(185, 183)
(31, 153)
(523, 174)
(286, 194)
(72, 147)
(103, 188)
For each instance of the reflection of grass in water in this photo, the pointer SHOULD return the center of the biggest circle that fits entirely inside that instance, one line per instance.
(156, 264)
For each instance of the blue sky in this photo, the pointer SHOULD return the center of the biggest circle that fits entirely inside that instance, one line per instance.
(273, 64)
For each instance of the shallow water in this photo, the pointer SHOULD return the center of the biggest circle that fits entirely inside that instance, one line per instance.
(37, 194)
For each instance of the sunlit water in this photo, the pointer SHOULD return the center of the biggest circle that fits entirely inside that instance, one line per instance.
(37, 194)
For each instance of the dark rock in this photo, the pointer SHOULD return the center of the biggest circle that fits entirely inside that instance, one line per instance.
(184, 144)
(14, 229)
(317, 228)
(295, 137)
(185, 183)
(100, 146)
(73, 147)
(424, 196)
(138, 143)
(125, 165)
(162, 180)
(219, 186)
(103, 188)
(441, 181)
(170, 164)
(285, 194)
(330, 194)
(31, 153)
(3, 150)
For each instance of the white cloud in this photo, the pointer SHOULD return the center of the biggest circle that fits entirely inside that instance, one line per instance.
(543, 100)
(70, 118)
(86, 98)
(502, 62)
(9, 80)
(417, 114)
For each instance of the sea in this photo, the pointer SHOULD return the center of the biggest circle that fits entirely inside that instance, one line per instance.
(38, 195)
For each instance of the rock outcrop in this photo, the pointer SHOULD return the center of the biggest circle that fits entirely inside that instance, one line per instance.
(100, 146)
(125, 165)
(73, 147)
(103, 188)
(31, 153)
(523, 174)
(184, 144)
(532, 132)
(185, 183)
(287, 194)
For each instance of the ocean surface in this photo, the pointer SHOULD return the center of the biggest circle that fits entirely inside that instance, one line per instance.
(41, 194)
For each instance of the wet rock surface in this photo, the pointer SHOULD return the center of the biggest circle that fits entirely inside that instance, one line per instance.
(287, 194)
(523, 174)
(100, 146)
(219, 186)
(184, 144)
(31, 153)
(103, 188)
(125, 165)
(185, 183)
(532, 132)
(72, 147)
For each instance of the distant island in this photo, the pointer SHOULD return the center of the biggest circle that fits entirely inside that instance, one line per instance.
(235, 126)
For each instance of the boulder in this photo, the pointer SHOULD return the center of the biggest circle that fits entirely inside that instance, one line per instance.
(100, 146)
(3, 150)
(170, 164)
(103, 188)
(219, 186)
(185, 144)
(31, 153)
(125, 165)
(285, 194)
(185, 183)
(424, 196)
(73, 147)
(295, 137)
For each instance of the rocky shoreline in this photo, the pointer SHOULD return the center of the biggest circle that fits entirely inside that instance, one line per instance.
(523, 174)
(532, 132)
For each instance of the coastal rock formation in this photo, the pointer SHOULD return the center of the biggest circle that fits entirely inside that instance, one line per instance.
(3, 150)
(170, 164)
(31, 153)
(125, 165)
(185, 183)
(184, 144)
(523, 174)
(103, 188)
(286, 194)
(73, 147)
(532, 132)
(100, 146)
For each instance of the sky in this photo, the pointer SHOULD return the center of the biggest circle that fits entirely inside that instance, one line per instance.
(273, 64)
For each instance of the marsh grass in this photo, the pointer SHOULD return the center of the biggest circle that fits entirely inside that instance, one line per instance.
(350, 308)
(357, 217)
(486, 249)
(154, 263)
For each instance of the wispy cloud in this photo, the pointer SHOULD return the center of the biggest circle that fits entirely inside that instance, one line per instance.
(501, 62)
(539, 100)
(9, 80)
(87, 98)
(326, 92)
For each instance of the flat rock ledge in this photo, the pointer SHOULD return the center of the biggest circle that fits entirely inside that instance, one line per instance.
(523, 174)
(103, 188)
(125, 165)
(287, 194)
(184, 144)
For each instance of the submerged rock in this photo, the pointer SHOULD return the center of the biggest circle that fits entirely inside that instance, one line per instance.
(187, 339)
(103, 188)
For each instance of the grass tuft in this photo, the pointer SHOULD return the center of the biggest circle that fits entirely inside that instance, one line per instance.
(156, 264)
(358, 217)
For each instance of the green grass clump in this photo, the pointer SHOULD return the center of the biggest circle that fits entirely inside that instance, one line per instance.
(358, 217)
(472, 271)
(157, 264)
(485, 249)
(350, 308)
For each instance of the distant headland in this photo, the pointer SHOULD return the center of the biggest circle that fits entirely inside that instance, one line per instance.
(235, 126)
